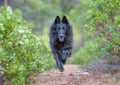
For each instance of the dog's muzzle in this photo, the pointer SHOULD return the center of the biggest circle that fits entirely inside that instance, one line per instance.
(61, 38)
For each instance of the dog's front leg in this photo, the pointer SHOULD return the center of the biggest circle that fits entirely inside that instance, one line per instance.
(69, 52)
(58, 62)
(66, 53)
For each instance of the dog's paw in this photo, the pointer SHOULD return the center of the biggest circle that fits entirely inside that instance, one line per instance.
(61, 70)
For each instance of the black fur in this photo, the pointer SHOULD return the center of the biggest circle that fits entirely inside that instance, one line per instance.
(61, 39)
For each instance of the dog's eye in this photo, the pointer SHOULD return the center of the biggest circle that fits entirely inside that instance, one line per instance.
(63, 28)
(59, 28)
(54, 29)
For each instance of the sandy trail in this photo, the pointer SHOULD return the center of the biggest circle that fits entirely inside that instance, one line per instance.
(73, 75)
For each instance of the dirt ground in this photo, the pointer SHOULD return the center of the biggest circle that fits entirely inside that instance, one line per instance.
(73, 75)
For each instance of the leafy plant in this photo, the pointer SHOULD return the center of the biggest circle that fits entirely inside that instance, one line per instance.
(104, 19)
(102, 29)
(21, 53)
(89, 52)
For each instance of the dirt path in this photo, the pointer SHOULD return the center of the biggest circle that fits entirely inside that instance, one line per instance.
(73, 75)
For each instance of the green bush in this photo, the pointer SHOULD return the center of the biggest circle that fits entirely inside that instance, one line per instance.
(103, 29)
(91, 50)
(21, 53)
(104, 22)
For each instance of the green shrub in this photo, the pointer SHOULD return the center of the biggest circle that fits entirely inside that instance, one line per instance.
(104, 22)
(21, 53)
(91, 50)
(103, 25)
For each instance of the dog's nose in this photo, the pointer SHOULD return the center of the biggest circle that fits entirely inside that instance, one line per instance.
(61, 34)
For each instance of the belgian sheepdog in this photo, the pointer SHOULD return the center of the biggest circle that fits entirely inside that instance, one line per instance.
(61, 40)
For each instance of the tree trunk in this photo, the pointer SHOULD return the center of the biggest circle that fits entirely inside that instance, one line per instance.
(5, 2)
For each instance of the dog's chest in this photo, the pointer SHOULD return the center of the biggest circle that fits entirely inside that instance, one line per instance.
(59, 45)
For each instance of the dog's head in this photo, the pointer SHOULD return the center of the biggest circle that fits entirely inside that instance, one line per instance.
(61, 27)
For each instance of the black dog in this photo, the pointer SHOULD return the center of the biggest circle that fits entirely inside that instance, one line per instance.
(61, 39)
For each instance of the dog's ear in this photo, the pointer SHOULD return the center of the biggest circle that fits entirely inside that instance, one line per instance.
(57, 20)
(64, 20)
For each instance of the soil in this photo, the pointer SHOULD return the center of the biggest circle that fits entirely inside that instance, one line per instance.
(73, 75)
